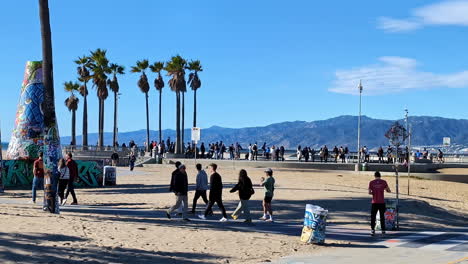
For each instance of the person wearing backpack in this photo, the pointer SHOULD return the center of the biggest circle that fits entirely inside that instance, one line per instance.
(245, 189)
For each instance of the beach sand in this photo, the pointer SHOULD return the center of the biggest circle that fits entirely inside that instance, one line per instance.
(139, 231)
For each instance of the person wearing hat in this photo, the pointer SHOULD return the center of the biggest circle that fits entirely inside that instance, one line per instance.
(179, 185)
(268, 184)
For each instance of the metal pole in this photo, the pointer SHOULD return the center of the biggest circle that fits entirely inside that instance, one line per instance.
(359, 127)
(1, 162)
(397, 194)
(409, 148)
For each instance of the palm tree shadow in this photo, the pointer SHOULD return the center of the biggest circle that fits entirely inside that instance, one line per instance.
(66, 249)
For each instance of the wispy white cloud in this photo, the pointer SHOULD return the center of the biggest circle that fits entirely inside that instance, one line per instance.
(449, 12)
(394, 75)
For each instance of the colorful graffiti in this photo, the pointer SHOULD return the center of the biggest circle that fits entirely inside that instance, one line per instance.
(18, 173)
(27, 136)
(315, 223)
(390, 217)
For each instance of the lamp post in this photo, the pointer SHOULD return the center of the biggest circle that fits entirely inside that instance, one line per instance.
(409, 148)
(359, 127)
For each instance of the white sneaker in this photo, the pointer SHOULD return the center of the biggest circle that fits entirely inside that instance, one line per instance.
(64, 201)
(224, 219)
(202, 217)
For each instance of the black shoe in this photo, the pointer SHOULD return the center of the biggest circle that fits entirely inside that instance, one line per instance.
(168, 215)
(186, 219)
(383, 232)
(372, 233)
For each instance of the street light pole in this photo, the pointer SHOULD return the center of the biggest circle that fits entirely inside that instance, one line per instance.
(409, 148)
(359, 127)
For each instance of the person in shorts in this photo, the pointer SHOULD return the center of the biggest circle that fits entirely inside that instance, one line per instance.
(268, 184)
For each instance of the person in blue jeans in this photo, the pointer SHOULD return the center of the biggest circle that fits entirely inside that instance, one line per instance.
(38, 172)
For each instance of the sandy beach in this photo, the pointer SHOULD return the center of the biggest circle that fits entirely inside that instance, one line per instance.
(127, 223)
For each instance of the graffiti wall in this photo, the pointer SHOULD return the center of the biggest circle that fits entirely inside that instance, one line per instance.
(18, 173)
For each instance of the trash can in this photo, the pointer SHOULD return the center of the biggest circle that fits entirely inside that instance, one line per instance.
(110, 176)
(390, 216)
(315, 223)
(365, 166)
(159, 159)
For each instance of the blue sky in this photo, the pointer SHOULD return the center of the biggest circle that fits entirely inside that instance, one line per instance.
(264, 61)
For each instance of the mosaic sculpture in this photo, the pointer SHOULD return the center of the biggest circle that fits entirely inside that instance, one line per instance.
(27, 136)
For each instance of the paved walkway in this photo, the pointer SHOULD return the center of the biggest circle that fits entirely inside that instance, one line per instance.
(395, 247)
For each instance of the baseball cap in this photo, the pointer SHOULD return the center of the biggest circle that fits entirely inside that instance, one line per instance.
(182, 166)
(268, 170)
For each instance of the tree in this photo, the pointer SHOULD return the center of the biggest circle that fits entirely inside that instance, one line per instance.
(52, 151)
(72, 104)
(100, 68)
(159, 85)
(176, 69)
(114, 86)
(195, 84)
(141, 66)
(84, 64)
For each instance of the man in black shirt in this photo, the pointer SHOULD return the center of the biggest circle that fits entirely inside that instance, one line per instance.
(216, 193)
(179, 186)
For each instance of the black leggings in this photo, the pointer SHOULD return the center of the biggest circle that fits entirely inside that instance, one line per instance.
(71, 189)
(219, 202)
(381, 208)
(198, 194)
(62, 186)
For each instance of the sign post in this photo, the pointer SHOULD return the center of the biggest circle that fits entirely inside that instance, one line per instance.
(195, 138)
(397, 134)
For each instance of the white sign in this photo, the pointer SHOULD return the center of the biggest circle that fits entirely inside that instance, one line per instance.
(446, 141)
(196, 134)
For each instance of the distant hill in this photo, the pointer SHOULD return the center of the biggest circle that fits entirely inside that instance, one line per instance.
(340, 131)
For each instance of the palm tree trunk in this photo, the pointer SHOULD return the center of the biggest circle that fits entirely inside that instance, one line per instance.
(183, 121)
(73, 127)
(147, 124)
(99, 123)
(160, 131)
(195, 108)
(85, 118)
(102, 124)
(177, 146)
(114, 138)
(52, 151)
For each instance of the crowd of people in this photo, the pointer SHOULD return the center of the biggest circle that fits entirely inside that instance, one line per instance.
(244, 188)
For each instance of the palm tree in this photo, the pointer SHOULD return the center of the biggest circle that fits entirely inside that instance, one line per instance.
(72, 104)
(114, 86)
(159, 85)
(194, 83)
(84, 76)
(51, 134)
(141, 66)
(176, 69)
(100, 69)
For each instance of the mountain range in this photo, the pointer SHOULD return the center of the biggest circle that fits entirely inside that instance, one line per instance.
(339, 131)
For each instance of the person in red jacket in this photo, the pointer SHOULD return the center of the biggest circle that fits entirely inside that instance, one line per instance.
(73, 170)
(376, 189)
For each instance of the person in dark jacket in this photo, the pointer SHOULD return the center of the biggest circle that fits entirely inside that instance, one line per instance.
(245, 189)
(179, 186)
(216, 193)
(73, 170)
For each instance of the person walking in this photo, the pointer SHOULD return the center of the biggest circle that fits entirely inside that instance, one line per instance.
(376, 189)
(201, 187)
(269, 186)
(132, 160)
(179, 186)
(216, 193)
(64, 178)
(38, 172)
(245, 189)
(73, 170)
